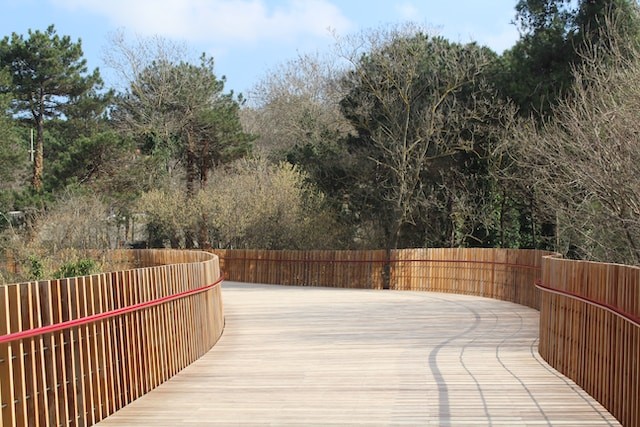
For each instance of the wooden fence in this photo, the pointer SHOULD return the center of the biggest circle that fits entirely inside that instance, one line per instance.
(336, 269)
(506, 274)
(590, 330)
(589, 312)
(73, 351)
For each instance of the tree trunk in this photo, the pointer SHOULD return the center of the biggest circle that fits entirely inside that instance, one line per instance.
(386, 270)
(190, 233)
(392, 239)
(38, 155)
(191, 166)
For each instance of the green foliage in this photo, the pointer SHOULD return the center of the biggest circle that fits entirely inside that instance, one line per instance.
(327, 164)
(554, 35)
(47, 73)
(81, 267)
(13, 153)
(180, 110)
(85, 159)
(35, 268)
(426, 119)
(48, 79)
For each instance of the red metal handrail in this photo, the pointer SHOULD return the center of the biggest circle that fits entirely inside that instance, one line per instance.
(382, 261)
(632, 318)
(29, 333)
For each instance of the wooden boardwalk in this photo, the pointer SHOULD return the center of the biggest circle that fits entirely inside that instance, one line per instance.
(318, 356)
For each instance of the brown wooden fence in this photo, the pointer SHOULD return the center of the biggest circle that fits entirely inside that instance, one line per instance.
(337, 269)
(73, 351)
(590, 330)
(506, 274)
(589, 312)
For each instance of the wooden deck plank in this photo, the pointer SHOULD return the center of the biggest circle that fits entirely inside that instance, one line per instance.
(326, 356)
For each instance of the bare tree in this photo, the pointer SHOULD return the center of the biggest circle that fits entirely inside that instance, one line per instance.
(297, 103)
(586, 163)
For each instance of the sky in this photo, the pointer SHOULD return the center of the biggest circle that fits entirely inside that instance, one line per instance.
(248, 38)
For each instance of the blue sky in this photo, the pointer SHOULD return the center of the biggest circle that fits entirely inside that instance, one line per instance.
(249, 37)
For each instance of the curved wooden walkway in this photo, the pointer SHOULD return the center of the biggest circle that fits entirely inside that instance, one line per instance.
(318, 356)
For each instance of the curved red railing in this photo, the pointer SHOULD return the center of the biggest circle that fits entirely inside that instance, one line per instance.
(630, 317)
(57, 327)
(80, 371)
(585, 336)
(590, 330)
(382, 261)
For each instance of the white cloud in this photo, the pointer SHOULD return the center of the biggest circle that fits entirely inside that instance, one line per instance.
(219, 20)
(408, 11)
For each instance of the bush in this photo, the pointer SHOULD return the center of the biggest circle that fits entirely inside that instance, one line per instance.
(261, 205)
(75, 221)
(58, 241)
(81, 267)
(252, 204)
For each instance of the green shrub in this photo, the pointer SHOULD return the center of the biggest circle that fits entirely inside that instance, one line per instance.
(36, 267)
(81, 267)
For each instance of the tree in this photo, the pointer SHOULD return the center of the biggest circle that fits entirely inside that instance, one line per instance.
(425, 117)
(586, 162)
(13, 155)
(557, 37)
(538, 70)
(179, 110)
(295, 111)
(423, 112)
(48, 77)
(297, 104)
(598, 23)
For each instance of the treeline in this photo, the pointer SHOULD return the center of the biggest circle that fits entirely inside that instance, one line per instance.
(396, 138)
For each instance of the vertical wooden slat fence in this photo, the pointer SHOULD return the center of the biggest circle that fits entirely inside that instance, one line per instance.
(590, 330)
(342, 269)
(144, 326)
(506, 274)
